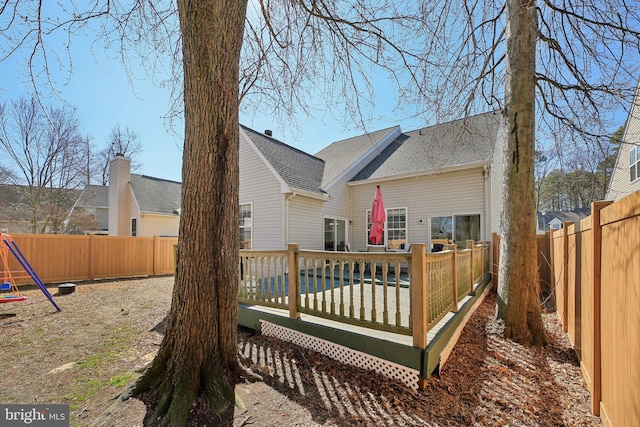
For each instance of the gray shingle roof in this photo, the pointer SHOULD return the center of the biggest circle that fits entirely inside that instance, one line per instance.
(564, 216)
(301, 171)
(155, 195)
(94, 196)
(15, 203)
(340, 155)
(457, 143)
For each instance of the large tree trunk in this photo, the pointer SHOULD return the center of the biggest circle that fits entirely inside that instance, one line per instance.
(518, 304)
(199, 353)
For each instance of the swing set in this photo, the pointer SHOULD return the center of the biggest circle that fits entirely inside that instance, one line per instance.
(9, 291)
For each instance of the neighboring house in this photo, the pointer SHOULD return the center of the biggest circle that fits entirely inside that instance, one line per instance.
(440, 182)
(140, 205)
(16, 208)
(547, 221)
(90, 213)
(625, 178)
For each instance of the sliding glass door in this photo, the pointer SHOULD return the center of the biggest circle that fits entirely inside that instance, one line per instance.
(335, 234)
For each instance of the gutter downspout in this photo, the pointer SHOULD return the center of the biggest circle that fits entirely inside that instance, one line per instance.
(286, 219)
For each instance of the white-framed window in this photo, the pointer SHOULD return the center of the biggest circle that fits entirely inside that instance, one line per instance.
(634, 163)
(394, 234)
(245, 225)
(396, 227)
(134, 227)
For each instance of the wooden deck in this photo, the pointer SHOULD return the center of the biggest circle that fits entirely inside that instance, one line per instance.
(390, 353)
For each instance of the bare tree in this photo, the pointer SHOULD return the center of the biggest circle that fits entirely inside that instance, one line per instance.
(123, 141)
(45, 149)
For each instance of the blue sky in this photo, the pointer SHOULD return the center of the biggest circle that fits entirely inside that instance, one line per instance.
(104, 95)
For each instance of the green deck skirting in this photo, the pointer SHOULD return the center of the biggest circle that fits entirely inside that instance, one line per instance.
(426, 361)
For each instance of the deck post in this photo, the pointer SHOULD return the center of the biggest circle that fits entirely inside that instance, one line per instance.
(454, 273)
(495, 259)
(419, 294)
(470, 246)
(293, 280)
(481, 262)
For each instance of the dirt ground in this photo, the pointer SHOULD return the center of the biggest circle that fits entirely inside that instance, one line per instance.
(108, 331)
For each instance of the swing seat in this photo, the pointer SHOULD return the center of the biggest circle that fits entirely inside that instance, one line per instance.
(5, 286)
(12, 298)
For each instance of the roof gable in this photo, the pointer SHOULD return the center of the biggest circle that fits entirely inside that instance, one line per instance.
(342, 155)
(460, 143)
(299, 170)
(155, 195)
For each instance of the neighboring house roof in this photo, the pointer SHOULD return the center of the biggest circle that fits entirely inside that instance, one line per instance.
(438, 148)
(341, 155)
(16, 210)
(94, 196)
(299, 170)
(15, 202)
(562, 216)
(155, 195)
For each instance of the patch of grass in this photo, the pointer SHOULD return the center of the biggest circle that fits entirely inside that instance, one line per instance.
(85, 389)
(122, 379)
(119, 341)
(121, 336)
(17, 346)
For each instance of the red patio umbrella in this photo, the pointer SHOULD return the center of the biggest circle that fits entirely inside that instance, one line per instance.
(378, 217)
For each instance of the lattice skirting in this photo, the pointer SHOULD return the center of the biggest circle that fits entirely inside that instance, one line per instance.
(343, 354)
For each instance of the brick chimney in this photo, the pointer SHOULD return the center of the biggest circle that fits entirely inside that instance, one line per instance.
(119, 177)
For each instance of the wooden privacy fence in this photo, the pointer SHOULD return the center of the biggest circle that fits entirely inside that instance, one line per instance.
(596, 269)
(61, 258)
(401, 292)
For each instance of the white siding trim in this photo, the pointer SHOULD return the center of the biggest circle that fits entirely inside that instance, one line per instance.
(419, 174)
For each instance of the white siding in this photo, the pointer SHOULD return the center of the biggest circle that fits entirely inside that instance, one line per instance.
(339, 204)
(445, 194)
(306, 222)
(620, 185)
(151, 225)
(260, 187)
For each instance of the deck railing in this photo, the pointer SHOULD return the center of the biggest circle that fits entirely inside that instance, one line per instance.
(401, 292)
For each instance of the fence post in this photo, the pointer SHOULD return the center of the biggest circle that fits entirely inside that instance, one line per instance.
(156, 252)
(293, 279)
(92, 256)
(419, 294)
(596, 229)
(565, 276)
